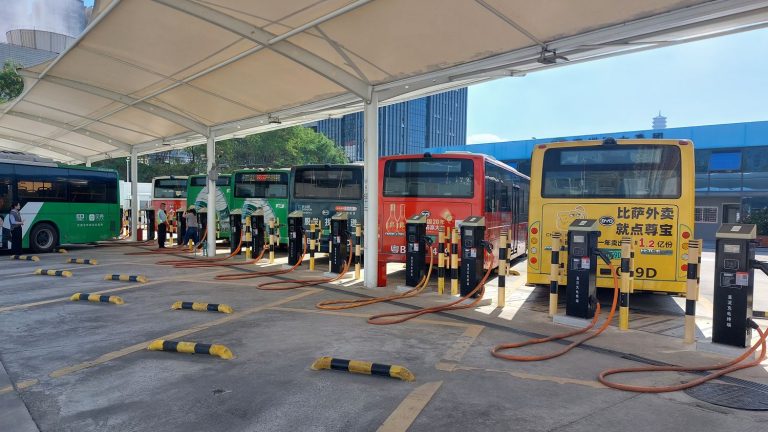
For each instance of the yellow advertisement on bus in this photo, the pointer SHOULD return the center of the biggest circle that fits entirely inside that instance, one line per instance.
(641, 189)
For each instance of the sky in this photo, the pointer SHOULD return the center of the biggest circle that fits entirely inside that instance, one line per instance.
(718, 80)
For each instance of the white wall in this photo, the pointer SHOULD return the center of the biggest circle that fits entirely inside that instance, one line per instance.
(145, 194)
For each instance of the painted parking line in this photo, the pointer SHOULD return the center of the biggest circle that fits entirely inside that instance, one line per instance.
(409, 409)
(110, 290)
(21, 385)
(67, 298)
(534, 377)
(176, 335)
(456, 352)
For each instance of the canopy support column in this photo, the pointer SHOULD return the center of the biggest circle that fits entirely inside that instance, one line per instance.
(371, 196)
(134, 193)
(210, 152)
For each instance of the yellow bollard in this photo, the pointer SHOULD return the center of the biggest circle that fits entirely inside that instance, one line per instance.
(455, 262)
(692, 290)
(626, 282)
(272, 240)
(554, 274)
(440, 262)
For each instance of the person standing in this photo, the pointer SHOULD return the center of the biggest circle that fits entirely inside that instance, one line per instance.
(16, 222)
(190, 217)
(162, 225)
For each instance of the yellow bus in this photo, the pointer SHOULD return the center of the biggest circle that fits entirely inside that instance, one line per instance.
(637, 188)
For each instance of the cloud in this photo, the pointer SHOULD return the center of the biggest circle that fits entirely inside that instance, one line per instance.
(484, 138)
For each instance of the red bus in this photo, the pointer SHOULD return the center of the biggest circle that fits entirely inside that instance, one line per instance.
(171, 190)
(448, 188)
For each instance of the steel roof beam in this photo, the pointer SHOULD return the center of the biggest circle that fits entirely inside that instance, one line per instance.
(156, 110)
(46, 147)
(73, 129)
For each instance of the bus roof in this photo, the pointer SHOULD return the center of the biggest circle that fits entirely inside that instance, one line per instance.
(265, 170)
(169, 177)
(611, 141)
(456, 155)
(21, 158)
(316, 166)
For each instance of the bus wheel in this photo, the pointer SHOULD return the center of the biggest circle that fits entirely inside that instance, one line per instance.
(43, 238)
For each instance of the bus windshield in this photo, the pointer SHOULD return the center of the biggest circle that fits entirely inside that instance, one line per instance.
(202, 181)
(261, 185)
(170, 188)
(628, 171)
(328, 183)
(429, 178)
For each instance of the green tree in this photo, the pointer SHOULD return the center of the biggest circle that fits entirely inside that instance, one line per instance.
(280, 148)
(758, 217)
(11, 83)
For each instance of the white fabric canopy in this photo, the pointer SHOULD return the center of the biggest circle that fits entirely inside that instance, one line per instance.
(160, 74)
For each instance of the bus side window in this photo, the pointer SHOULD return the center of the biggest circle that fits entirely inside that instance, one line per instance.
(5, 195)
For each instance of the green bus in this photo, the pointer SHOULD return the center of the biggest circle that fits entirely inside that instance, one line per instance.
(266, 189)
(320, 191)
(197, 196)
(61, 204)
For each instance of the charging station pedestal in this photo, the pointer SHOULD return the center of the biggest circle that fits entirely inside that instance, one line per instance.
(295, 236)
(235, 230)
(181, 225)
(257, 231)
(581, 291)
(415, 252)
(150, 223)
(339, 239)
(472, 254)
(734, 284)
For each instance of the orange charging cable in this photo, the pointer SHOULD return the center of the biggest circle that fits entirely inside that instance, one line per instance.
(350, 304)
(496, 351)
(251, 275)
(298, 283)
(479, 289)
(720, 369)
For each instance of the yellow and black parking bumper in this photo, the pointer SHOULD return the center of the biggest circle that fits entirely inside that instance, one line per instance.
(202, 307)
(97, 298)
(363, 367)
(126, 278)
(82, 261)
(60, 273)
(191, 348)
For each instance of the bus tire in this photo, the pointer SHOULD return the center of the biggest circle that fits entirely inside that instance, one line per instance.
(43, 238)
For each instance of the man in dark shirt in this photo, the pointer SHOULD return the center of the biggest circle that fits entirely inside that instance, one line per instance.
(16, 222)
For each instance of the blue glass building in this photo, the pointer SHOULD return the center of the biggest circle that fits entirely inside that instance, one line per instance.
(731, 166)
(408, 127)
